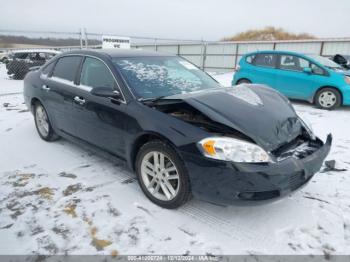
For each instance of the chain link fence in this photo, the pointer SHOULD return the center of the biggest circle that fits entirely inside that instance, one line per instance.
(22, 50)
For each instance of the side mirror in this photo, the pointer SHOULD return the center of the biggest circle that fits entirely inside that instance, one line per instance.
(106, 92)
(307, 70)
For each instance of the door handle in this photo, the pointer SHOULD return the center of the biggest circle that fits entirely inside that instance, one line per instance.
(79, 100)
(45, 87)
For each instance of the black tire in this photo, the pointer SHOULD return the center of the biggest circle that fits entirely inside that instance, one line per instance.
(51, 135)
(243, 81)
(184, 192)
(330, 92)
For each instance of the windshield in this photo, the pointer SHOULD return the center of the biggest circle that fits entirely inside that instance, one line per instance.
(151, 77)
(326, 62)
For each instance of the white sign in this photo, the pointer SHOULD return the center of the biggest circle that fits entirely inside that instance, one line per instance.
(115, 42)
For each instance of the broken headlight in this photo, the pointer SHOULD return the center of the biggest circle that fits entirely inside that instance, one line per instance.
(308, 127)
(231, 149)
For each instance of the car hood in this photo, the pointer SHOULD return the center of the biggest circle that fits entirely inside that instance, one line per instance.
(257, 111)
(347, 73)
(342, 71)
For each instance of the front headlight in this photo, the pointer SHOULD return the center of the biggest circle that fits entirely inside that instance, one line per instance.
(307, 125)
(231, 149)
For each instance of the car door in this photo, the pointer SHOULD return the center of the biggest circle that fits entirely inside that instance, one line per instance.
(263, 69)
(292, 78)
(99, 120)
(59, 90)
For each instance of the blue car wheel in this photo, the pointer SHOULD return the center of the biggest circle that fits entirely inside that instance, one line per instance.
(328, 98)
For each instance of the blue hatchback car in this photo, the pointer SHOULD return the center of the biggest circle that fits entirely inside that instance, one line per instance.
(307, 77)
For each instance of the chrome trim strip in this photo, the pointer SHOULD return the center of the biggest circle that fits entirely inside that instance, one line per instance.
(84, 87)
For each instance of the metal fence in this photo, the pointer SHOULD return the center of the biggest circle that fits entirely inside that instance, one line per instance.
(210, 56)
(224, 56)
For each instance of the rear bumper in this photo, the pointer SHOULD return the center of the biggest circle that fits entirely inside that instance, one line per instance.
(226, 182)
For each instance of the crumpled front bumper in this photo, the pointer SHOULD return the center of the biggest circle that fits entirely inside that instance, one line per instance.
(226, 182)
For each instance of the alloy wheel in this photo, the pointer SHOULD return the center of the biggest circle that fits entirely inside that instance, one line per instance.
(42, 121)
(160, 176)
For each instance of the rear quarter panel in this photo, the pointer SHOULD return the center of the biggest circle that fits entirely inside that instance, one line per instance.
(255, 74)
(31, 88)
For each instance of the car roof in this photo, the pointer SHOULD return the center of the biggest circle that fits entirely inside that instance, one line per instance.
(35, 51)
(116, 53)
(276, 52)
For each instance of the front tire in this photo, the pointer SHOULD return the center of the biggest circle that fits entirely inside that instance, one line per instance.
(42, 123)
(328, 98)
(162, 175)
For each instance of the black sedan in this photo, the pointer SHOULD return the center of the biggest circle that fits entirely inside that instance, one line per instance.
(177, 128)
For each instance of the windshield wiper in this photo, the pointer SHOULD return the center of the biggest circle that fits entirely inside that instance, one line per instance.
(152, 99)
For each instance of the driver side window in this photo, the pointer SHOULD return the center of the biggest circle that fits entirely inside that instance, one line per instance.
(317, 70)
(95, 73)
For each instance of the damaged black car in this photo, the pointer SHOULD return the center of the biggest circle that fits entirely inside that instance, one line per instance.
(180, 131)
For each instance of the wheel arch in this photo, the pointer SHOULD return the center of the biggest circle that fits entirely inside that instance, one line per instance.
(32, 103)
(143, 139)
(243, 78)
(324, 87)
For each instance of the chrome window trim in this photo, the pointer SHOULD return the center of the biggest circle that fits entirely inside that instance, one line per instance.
(83, 87)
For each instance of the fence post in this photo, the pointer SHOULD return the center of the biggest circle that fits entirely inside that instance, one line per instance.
(204, 54)
(86, 38)
(236, 55)
(155, 44)
(81, 38)
(321, 49)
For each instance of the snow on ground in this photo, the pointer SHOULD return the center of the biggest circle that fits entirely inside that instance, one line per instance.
(61, 198)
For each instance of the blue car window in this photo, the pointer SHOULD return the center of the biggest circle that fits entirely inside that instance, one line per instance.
(317, 70)
(265, 60)
(294, 63)
(249, 59)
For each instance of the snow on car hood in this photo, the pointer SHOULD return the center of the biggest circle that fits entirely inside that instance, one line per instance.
(255, 110)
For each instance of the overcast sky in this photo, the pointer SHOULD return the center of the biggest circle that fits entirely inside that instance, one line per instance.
(185, 19)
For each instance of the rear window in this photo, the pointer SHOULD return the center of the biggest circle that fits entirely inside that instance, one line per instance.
(66, 67)
(250, 59)
(20, 55)
(265, 60)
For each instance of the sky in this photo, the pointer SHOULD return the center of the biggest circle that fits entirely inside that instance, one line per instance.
(180, 19)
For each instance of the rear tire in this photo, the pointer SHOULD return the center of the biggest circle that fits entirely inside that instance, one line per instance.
(243, 81)
(328, 98)
(162, 175)
(42, 123)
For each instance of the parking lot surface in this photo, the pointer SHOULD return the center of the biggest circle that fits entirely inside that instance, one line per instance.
(60, 198)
